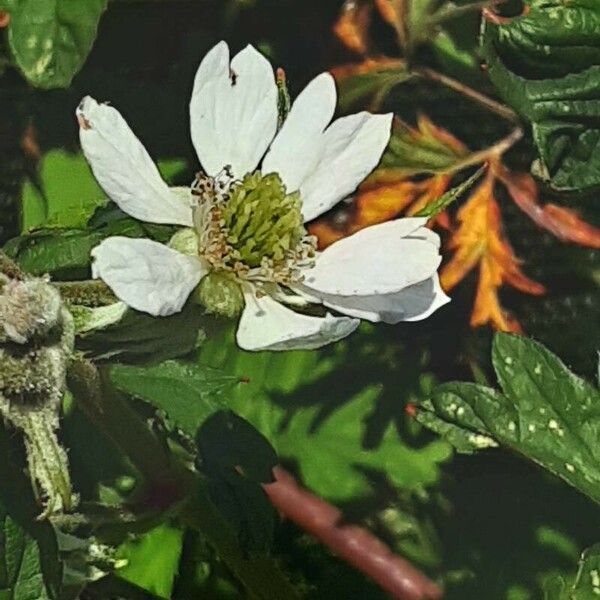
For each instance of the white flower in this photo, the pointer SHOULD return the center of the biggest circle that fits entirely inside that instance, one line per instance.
(244, 246)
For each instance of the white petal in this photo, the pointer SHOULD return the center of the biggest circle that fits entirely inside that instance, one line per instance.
(215, 64)
(352, 148)
(413, 303)
(297, 147)
(234, 118)
(146, 275)
(378, 260)
(267, 325)
(124, 169)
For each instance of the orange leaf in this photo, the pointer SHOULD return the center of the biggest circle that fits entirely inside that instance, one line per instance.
(352, 26)
(479, 241)
(564, 223)
(386, 10)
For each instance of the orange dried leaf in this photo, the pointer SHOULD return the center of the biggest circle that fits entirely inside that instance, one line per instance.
(479, 241)
(390, 191)
(564, 223)
(386, 10)
(352, 26)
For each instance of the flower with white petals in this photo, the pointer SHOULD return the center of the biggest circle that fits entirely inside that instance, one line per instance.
(243, 247)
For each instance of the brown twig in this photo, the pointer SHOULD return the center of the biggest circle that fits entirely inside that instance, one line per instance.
(352, 543)
(496, 107)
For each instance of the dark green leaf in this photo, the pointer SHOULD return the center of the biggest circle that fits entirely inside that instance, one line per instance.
(188, 393)
(546, 412)
(21, 563)
(545, 65)
(237, 459)
(50, 39)
(140, 338)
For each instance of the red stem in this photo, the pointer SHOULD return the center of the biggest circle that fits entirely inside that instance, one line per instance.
(354, 544)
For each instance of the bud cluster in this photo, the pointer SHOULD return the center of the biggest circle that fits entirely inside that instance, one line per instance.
(36, 342)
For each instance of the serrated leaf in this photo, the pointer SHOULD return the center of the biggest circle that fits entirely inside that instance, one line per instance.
(545, 64)
(333, 461)
(327, 443)
(49, 40)
(187, 392)
(546, 413)
(21, 560)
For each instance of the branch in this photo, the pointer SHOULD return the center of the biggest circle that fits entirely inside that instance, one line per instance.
(352, 543)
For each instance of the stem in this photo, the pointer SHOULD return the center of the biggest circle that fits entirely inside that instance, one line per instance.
(497, 107)
(352, 543)
(89, 293)
(107, 409)
(48, 464)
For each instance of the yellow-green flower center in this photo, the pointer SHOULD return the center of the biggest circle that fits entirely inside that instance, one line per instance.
(250, 230)
(262, 219)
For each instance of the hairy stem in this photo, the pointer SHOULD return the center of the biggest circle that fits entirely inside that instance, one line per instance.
(169, 480)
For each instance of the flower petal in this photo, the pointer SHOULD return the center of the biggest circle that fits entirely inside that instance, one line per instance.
(266, 324)
(146, 275)
(296, 149)
(413, 303)
(352, 147)
(124, 168)
(234, 115)
(378, 260)
(215, 64)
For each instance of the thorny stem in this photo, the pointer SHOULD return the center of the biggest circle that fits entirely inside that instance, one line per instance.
(111, 414)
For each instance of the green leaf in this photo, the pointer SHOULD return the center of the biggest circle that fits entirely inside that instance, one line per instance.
(50, 39)
(20, 563)
(587, 580)
(188, 393)
(370, 86)
(333, 462)
(139, 338)
(327, 442)
(61, 201)
(437, 206)
(545, 65)
(546, 413)
(153, 560)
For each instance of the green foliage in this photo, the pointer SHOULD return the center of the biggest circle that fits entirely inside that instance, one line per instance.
(445, 200)
(21, 575)
(188, 393)
(61, 201)
(545, 65)
(139, 338)
(328, 442)
(587, 581)
(49, 40)
(545, 412)
(153, 560)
